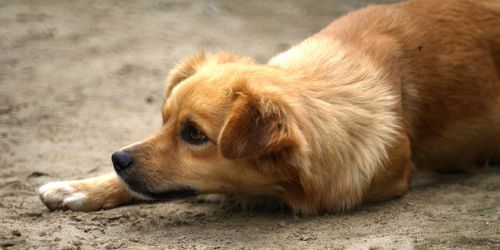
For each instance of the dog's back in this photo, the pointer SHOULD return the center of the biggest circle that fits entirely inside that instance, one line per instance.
(451, 82)
(444, 60)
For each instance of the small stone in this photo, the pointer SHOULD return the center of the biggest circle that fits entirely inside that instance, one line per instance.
(76, 243)
(42, 234)
(282, 223)
(304, 238)
(150, 99)
(36, 174)
(16, 233)
(76, 218)
(9, 243)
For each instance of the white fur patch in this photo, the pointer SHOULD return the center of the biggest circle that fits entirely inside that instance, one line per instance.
(75, 201)
(63, 185)
(62, 195)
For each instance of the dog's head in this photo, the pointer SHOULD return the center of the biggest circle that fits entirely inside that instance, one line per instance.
(228, 127)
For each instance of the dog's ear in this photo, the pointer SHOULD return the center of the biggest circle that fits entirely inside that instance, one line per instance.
(188, 67)
(185, 69)
(256, 126)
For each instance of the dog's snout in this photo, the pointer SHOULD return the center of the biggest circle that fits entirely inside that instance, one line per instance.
(122, 160)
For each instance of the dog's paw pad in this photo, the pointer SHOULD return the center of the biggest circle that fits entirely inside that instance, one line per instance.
(62, 195)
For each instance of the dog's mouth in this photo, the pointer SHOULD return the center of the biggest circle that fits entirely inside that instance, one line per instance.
(142, 190)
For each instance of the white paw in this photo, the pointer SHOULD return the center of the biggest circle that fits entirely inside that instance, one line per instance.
(62, 195)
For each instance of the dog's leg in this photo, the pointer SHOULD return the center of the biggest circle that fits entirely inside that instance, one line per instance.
(91, 194)
(390, 184)
(393, 180)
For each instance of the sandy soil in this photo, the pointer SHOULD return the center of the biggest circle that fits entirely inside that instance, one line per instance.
(80, 79)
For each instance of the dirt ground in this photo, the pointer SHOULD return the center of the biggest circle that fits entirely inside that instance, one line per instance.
(81, 79)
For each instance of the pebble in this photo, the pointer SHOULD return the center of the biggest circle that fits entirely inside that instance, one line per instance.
(304, 238)
(150, 99)
(134, 240)
(10, 243)
(76, 243)
(282, 223)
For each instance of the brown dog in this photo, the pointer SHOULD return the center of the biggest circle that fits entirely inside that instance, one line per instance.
(335, 121)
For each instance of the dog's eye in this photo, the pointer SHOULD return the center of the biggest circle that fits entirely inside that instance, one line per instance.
(193, 135)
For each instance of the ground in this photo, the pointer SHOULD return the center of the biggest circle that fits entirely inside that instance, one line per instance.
(81, 79)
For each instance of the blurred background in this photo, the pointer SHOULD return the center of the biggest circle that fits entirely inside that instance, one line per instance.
(81, 79)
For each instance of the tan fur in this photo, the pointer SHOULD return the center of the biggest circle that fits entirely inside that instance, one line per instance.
(342, 117)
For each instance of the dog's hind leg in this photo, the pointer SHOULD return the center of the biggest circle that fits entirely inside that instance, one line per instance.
(91, 194)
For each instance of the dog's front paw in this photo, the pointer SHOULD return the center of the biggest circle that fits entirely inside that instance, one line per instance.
(85, 195)
(64, 195)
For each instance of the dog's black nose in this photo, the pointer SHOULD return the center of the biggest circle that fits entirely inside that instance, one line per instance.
(121, 160)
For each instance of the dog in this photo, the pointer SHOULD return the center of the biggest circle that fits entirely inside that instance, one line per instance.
(338, 120)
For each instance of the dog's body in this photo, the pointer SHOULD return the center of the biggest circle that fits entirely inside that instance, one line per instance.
(335, 121)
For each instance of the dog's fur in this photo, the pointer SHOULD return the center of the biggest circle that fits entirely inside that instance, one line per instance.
(337, 120)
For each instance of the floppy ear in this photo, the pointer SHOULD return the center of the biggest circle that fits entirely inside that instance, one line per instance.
(256, 126)
(188, 67)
